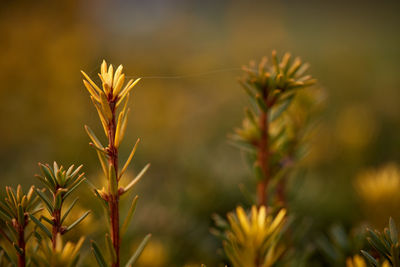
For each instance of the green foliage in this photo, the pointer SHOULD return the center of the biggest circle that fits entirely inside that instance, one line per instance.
(15, 212)
(60, 183)
(386, 244)
(339, 244)
(270, 134)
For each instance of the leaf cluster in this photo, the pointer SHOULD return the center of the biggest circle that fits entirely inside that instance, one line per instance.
(272, 89)
(60, 183)
(252, 239)
(386, 244)
(15, 210)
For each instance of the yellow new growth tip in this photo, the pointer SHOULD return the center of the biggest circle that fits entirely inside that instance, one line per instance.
(112, 83)
(254, 236)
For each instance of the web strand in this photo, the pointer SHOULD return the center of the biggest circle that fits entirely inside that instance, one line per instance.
(182, 76)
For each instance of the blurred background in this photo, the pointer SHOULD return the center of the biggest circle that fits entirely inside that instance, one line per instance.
(354, 52)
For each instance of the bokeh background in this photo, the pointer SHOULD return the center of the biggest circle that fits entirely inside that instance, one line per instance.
(354, 52)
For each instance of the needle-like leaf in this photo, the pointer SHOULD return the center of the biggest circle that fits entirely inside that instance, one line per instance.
(91, 82)
(77, 221)
(93, 137)
(129, 215)
(138, 251)
(46, 201)
(128, 161)
(105, 106)
(98, 254)
(68, 210)
(41, 226)
(137, 178)
(110, 248)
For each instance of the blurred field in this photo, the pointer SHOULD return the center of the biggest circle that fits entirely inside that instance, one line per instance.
(353, 49)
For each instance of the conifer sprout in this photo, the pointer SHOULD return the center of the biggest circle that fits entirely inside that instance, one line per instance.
(272, 89)
(62, 255)
(271, 136)
(15, 210)
(386, 245)
(59, 184)
(107, 99)
(253, 240)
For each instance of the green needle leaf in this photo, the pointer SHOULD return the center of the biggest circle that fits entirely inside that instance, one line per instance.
(45, 182)
(41, 226)
(48, 174)
(77, 221)
(4, 216)
(93, 137)
(6, 256)
(129, 215)
(69, 210)
(138, 251)
(45, 200)
(247, 88)
(369, 258)
(18, 249)
(110, 248)
(99, 256)
(261, 104)
(393, 231)
(137, 178)
(47, 220)
(73, 188)
(21, 217)
(277, 112)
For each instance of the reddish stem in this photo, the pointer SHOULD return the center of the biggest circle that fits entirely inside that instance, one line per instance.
(114, 213)
(262, 159)
(57, 228)
(114, 197)
(21, 245)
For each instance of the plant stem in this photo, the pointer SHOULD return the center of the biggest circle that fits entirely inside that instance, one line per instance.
(114, 196)
(21, 245)
(114, 213)
(262, 160)
(263, 155)
(57, 228)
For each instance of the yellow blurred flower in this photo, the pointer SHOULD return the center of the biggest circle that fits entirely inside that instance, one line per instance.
(356, 126)
(253, 240)
(379, 191)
